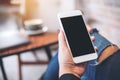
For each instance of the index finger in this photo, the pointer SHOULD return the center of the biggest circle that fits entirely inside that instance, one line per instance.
(61, 38)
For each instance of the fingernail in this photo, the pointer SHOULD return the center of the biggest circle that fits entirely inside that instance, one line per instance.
(93, 37)
(58, 31)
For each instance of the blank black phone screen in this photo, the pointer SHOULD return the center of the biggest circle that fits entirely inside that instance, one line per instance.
(77, 36)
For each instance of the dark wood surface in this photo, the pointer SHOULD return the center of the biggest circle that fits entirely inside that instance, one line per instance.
(5, 1)
(37, 41)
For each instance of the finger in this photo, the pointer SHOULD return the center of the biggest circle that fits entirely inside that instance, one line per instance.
(82, 64)
(92, 38)
(95, 47)
(89, 28)
(62, 41)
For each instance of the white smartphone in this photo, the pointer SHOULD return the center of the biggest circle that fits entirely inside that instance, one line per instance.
(77, 36)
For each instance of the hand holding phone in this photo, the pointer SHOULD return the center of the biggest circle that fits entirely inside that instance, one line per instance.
(66, 63)
(77, 37)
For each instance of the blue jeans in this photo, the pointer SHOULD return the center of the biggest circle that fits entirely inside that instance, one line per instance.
(52, 72)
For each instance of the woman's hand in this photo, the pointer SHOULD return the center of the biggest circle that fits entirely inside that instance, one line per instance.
(66, 63)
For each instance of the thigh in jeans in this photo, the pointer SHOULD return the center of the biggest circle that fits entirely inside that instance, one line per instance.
(101, 43)
(53, 67)
(52, 72)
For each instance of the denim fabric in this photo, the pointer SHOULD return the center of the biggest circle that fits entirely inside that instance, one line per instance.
(101, 44)
(53, 68)
(109, 69)
(52, 72)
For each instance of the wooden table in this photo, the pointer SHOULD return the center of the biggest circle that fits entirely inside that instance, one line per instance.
(37, 41)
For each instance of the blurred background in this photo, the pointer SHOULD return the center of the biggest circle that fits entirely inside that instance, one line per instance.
(100, 14)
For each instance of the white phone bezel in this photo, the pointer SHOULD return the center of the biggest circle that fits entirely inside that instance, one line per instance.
(78, 59)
